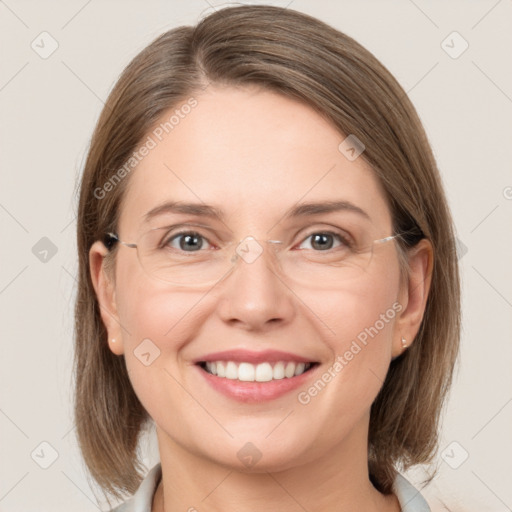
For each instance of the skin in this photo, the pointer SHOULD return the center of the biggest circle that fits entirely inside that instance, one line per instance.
(254, 154)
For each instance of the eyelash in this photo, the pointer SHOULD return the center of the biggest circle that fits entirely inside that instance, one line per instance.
(342, 238)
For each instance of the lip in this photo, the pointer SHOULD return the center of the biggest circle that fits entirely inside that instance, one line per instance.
(255, 392)
(248, 356)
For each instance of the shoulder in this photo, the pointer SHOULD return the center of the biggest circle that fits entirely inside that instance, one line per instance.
(409, 497)
(142, 499)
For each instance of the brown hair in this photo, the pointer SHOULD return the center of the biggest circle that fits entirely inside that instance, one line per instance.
(307, 60)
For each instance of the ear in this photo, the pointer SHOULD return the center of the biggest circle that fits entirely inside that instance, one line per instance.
(413, 295)
(104, 286)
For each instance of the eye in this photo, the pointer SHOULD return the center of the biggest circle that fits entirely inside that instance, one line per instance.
(187, 241)
(324, 240)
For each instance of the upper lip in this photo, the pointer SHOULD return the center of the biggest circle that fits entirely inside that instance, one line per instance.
(248, 356)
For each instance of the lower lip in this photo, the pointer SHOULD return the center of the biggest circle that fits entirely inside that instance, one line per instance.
(255, 391)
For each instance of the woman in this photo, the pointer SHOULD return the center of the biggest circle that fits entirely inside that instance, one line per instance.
(267, 274)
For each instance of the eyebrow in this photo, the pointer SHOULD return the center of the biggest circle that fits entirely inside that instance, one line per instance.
(301, 210)
(304, 209)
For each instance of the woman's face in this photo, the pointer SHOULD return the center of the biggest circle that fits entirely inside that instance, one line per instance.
(254, 155)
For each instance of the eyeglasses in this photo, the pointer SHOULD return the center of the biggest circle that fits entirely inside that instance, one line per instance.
(179, 257)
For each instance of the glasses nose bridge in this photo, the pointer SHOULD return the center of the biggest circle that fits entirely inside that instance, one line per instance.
(250, 249)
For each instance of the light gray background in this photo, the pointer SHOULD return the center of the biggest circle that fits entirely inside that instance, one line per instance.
(48, 111)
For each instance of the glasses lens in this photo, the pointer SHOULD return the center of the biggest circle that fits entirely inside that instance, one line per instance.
(183, 257)
(186, 258)
(328, 264)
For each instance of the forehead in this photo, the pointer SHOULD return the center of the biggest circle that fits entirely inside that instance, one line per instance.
(251, 153)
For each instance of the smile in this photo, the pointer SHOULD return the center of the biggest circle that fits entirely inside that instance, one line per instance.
(255, 376)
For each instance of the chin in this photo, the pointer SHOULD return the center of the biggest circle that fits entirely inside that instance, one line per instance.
(258, 456)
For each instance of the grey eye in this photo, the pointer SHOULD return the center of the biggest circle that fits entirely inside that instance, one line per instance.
(324, 240)
(188, 241)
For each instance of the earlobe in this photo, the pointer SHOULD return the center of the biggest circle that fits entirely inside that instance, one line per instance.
(414, 295)
(104, 287)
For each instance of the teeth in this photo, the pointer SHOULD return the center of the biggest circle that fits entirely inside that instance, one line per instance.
(221, 369)
(289, 371)
(299, 368)
(278, 371)
(262, 372)
(231, 370)
(246, 372)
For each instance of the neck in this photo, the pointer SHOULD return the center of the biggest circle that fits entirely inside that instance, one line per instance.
(337, 481)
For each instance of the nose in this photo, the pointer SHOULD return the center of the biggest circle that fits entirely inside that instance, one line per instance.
(254, 294)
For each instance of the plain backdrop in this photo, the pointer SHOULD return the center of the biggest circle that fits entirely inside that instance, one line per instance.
(59, 60)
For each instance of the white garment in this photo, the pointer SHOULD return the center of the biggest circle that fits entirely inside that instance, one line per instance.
(409, 497)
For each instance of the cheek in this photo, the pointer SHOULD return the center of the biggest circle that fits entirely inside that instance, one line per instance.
(374, 309)
(149, 312)
(360, 322)
(150, 309)
(156, 323)
(361, 310)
